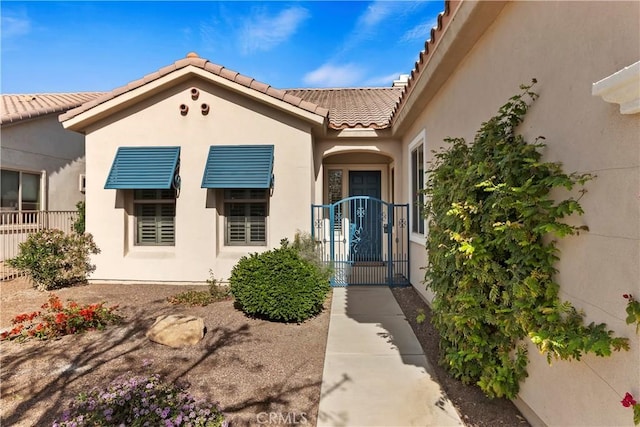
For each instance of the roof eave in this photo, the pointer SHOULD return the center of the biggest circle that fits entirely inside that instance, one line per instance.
(27, 113)
(16, 118)
(359, 133)
(459, 29)
(125, 97)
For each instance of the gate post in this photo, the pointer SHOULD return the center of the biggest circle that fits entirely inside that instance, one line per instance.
(389, 227)
(332, 238)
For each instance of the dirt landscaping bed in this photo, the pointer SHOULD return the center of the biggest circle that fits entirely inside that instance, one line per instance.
(249, 366)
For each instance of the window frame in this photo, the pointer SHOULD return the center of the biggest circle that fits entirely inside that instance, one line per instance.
(158, 202)
(17, 214)
(227, 201)
(342, 173)
(418, 227)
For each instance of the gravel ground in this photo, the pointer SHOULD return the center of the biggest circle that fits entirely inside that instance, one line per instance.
(250, 366)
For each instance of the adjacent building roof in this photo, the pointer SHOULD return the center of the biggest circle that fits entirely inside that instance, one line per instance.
(354, 107)
(16, 108)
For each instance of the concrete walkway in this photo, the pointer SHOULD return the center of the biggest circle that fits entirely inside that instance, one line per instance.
(375, 372)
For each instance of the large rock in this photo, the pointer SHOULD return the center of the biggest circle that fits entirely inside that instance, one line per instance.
(177, 330)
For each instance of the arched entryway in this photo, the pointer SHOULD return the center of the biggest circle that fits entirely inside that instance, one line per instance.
(359, 229)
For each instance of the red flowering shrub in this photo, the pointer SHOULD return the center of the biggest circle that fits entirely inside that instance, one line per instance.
(57, 320)
(630, 402)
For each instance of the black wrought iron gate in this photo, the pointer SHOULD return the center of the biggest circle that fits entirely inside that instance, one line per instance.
(364, 239)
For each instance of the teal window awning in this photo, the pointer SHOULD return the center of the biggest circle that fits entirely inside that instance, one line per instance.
(143, 168)
(239, 166)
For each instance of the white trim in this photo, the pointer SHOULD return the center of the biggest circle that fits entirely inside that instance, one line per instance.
(421, 138)
(621, 87)
(383, 168)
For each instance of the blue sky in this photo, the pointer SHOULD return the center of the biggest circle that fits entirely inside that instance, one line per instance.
(97, 46)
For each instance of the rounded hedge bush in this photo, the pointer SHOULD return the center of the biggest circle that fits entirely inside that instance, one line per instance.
(279, 285)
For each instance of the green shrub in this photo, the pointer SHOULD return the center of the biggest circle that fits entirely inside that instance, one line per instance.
(78, 224)
(279, 285)
(308, 249)
(53, 259)
(216, 292)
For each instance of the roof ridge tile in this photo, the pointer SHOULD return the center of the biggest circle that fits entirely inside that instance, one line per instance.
(213, 68)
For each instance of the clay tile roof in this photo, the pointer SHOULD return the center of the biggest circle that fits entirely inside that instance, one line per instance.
(192, 59)
(16, 108)
(429, 46)
(354, 107)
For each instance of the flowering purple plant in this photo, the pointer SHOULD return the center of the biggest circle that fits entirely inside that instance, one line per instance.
(141, 401)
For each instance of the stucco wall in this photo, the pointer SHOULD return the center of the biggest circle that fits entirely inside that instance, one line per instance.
(355, 154)
(43, 144)
(199, 246)
(567, 46)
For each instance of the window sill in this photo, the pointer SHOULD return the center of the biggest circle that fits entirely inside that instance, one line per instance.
(152, 252)
(418, 238)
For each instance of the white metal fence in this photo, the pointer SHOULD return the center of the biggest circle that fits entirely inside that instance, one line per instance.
(15, 227)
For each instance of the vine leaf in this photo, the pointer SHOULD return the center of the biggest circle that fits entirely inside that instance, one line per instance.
(491, 262)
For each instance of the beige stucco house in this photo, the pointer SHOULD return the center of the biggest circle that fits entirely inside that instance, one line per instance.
(194, 165)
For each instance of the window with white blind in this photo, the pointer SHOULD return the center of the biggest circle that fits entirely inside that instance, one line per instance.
(245, 213)
(155, 212)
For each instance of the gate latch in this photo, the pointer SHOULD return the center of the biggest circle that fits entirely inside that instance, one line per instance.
(385, 228)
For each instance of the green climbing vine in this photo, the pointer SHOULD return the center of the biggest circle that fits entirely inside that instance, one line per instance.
(491, 255)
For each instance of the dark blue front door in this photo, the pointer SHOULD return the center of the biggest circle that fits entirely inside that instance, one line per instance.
(367, 217)
(364, 183)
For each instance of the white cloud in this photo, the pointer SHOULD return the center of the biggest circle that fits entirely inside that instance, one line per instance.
(15, 26)
(209, 36)
(420, 31)
(368, 23)
(374, 22)
(382, 80)
(334, 76)
(375, 13)
(263, 32)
